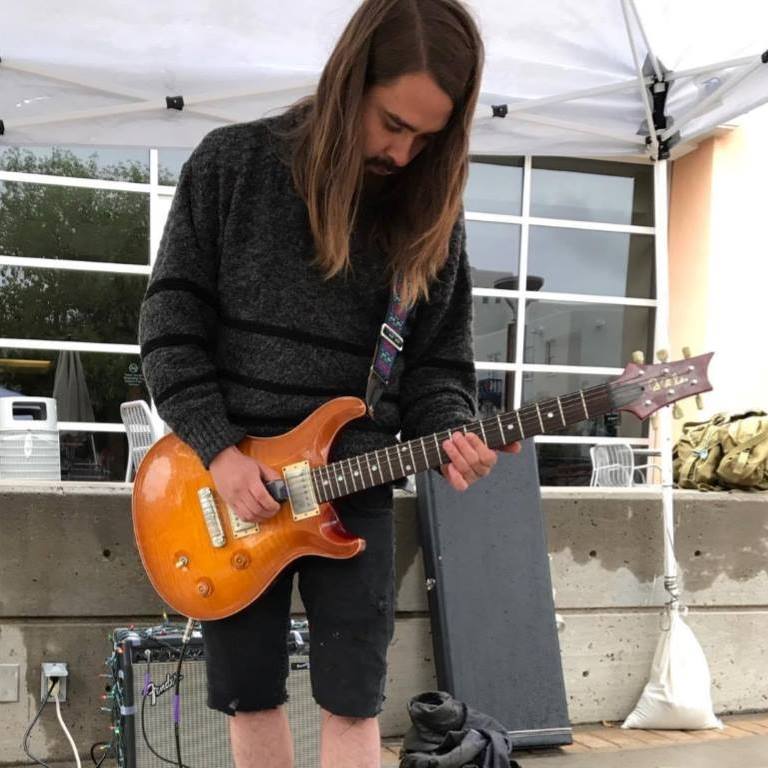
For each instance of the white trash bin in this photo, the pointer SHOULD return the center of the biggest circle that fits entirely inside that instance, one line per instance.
(29, 439)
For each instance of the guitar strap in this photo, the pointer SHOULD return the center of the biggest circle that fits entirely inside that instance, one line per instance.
(389, 343)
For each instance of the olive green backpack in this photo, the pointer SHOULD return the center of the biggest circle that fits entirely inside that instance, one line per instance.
(726, 451)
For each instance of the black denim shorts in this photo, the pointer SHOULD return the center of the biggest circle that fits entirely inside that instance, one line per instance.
(350, 609)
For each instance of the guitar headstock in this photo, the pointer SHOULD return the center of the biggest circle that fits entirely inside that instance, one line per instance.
(644, 389)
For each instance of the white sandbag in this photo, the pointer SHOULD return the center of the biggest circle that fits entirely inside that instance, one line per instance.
(677, 696)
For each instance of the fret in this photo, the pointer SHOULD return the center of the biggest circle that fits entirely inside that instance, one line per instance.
(501, 429)
(424, 451)
(391, 472)
(400, 459)
(519, 424)
(482, 430)
(437, 445)
(538, 413)
(352, 474)
(323, 483)
(413, 461)
(359, 466)
(341, 477)
(562, 415)
(584, 403)
(376, 468)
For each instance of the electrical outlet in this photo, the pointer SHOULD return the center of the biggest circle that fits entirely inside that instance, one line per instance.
(51, 669)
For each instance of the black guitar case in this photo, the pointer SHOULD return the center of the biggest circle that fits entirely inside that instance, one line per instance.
(490, 599)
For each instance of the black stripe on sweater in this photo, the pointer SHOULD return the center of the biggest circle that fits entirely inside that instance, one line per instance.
(266, 329)
(252, 421)
(174, 340)
(180, 386)
(283, 388)
(451, 365)
(182, 284)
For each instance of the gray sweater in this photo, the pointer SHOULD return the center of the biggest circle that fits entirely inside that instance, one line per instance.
(241, 334)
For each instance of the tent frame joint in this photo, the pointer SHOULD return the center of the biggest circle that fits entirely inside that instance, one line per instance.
(174, 102)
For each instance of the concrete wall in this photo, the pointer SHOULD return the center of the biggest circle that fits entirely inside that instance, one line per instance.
(69, 574)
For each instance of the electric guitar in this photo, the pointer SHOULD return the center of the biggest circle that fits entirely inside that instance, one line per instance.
(207, 563)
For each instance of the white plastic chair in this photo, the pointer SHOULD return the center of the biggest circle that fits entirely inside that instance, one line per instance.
(613, 465)
(140, 431)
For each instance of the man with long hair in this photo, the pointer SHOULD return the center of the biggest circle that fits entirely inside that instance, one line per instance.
(271, 283)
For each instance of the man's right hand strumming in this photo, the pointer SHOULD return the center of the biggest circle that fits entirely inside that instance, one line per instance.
(240, 482)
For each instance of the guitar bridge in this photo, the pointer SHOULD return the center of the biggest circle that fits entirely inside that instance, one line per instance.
(301, 494)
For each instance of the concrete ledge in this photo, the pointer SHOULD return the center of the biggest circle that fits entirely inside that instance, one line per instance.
(69, 573)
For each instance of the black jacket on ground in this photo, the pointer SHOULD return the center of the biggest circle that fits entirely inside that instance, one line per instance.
(446, 733)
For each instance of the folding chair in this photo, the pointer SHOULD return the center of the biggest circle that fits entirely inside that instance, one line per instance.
(613, 465)
(140, 431)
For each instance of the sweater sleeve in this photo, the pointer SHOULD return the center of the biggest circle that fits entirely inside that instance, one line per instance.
(438, 386)
(178, 316)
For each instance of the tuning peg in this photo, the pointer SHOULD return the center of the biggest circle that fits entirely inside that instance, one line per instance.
(662, 354)
(686, 352)
(677, 411)
(700, 402)
(638, 357)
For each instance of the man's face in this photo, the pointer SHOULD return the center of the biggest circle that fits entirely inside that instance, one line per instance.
(399, 119)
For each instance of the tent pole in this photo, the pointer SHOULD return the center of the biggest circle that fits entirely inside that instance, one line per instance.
(654, 61)
(632, 139)
(641, 80)
(600, 90)
(663, 436)
(730, 64)
(716, 94)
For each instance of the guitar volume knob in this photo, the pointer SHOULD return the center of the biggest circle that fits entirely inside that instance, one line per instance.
(205, 587)
(240, 560)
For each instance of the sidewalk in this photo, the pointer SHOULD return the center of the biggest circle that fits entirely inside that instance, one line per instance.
(743, 743)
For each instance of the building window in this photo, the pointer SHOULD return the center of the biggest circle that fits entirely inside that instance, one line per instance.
(562, 256)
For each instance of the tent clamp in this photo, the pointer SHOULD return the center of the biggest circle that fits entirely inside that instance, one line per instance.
(764, 57)
(665, 145)
(174, 102)
(499, 110)
(2, 128)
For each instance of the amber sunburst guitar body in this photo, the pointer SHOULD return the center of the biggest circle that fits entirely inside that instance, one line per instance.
(204, 581)
(208, 564)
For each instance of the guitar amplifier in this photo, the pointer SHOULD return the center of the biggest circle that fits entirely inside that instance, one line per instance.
(144, 665)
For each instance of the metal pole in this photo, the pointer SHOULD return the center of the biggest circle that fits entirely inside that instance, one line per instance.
(664, 417)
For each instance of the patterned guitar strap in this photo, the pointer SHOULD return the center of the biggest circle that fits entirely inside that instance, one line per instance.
(388, 345)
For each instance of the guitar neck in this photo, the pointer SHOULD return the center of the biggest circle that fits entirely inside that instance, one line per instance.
(542, 417)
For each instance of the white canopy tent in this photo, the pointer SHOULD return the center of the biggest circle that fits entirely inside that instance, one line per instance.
(577, 79)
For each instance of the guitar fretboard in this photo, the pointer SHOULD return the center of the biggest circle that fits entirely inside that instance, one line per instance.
(548, 416)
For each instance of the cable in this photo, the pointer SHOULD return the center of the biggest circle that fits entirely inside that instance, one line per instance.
(24, 741)
(146, 740)
(176, 700)
(66, 730)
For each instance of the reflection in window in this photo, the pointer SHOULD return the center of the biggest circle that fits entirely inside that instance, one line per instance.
(495, 185)
(104, 380)
(170, 162)
(601, 335)
(494, 329)
(66, 304)
(542, 386)
(121, 164)
(563, 464)
(50, 222)
(592, 262)
(495, 392)
(590, 190)
(494, 252)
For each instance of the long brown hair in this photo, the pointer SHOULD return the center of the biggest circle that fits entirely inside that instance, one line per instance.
(384, 40)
